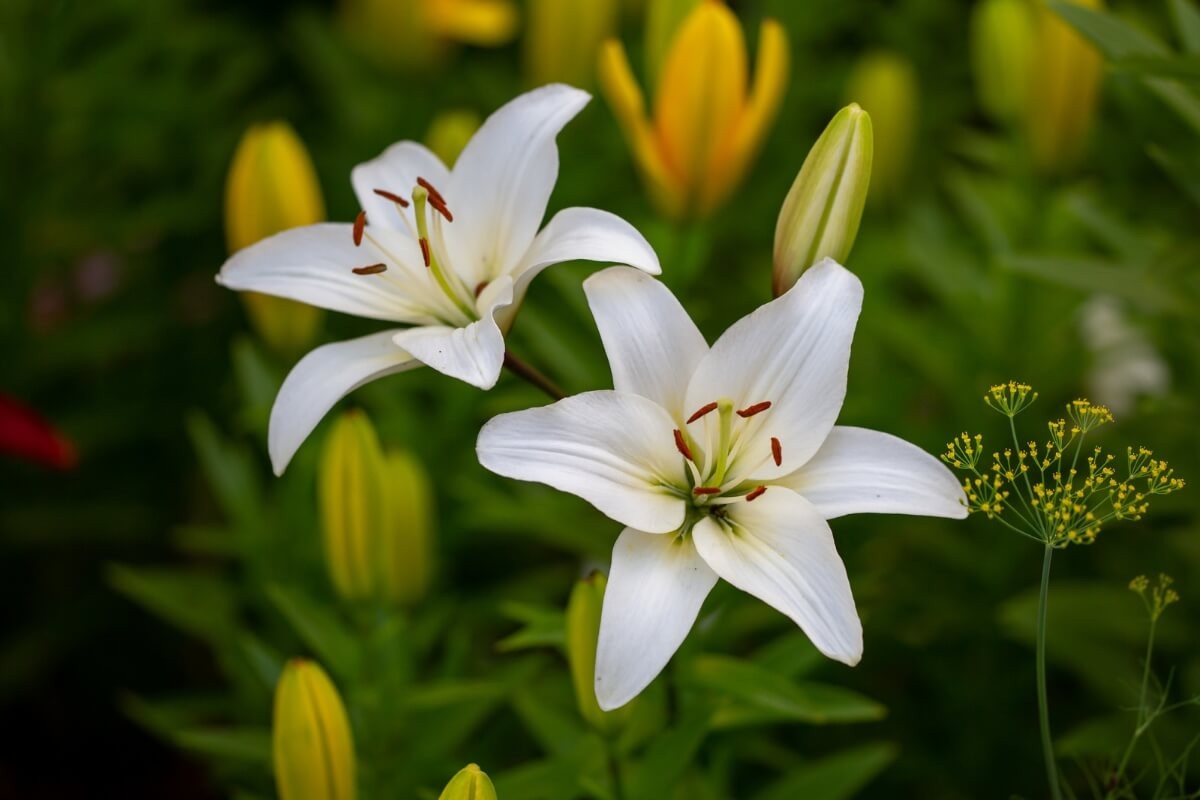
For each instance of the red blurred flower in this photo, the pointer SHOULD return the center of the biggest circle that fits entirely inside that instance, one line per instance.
(24, 434)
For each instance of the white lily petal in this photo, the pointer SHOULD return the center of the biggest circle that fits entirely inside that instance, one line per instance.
(502, 181)
(613, 449)
(793, 352)
(319, 380)
(655, 589)
(474, 353)
(314, 264)
(652, 344)
(779, 549)
(859, 471)
(585, 234)
(396, 170)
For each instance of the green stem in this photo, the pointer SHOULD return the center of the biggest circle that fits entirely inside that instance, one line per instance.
(614, 767)
(533, 376)
(1143, 715)
(1043, 703)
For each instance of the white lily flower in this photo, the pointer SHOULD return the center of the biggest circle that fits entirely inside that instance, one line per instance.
(452, 260)
(722, 462)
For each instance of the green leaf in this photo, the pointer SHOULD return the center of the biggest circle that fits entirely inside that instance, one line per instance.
(834, 777)
(1182, 168)
(756, 695)
(199, 603)
(1091, 275)
(668, 757)
(230, 472)
(244, 743)
(1187, 24)
(543, 627)
(318, 628)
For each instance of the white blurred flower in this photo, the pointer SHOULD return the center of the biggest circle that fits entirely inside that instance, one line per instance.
(1125, 365)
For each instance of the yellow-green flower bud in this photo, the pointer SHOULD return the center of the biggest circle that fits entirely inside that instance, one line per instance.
(418, 34)
(406, 543)
(1063, 91)
(354, 508)
(819, 219)
(562, 39)
(272, 186)
(471, 783)
(885, 85)
(1001, 56)
(583, 632)
(449, 133)
(312, 746)
(663, 20)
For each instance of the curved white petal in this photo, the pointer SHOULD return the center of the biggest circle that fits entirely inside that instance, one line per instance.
(585, 234)
(859, 471)
(501, 183)
(652, 344)
(793, 352)
(315, 264)
(613, 449)
(779, 549)
(319, 380)
(396, 170)
(474, 353)
(655, 589)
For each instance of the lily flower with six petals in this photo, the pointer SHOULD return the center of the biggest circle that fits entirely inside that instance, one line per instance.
(721, 462)
(449, 253)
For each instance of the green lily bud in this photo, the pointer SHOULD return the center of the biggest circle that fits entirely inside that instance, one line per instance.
(449, 133)
(312, 747)
(562, 39)
(1063, 93)
(885, 85)
(272, 186)
(354, 509)
(406, 543)
(471, 783)
(820, 216)
(583, 633)
(1001, 56)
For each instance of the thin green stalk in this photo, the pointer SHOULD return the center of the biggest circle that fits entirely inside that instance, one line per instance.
(614, 766)
(1143, 715)
(1043, 703)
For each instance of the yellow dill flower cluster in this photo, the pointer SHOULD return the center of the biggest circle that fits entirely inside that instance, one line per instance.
(1062, 495)
(1160, 595)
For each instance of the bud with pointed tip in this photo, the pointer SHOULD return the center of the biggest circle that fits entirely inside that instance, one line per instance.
(272, 186)
(406, 542)
(583, 633)
(885, 85)
(1001, 56)
(471, 783)
(562, 39)
(820, 216)
(312, 747)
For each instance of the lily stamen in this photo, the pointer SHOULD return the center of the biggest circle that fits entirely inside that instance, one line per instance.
(682, 446)
(370, 269)
(757, 493)
(395, 198)
(434, 194)
(757, 408)
(359, 223)
(700, 412)
(424, 250)
(707, 490)
(440, 207)
(777, 451)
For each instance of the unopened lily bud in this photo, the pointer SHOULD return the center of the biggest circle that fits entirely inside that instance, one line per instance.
(820, 217)
(885, 85)
(471, 783)
(312, 746)
(354, 508)
(1001, 56)
(272, 186)
(663, 18)
(406, 543)
(1063, 91)
(562, 39)
(449, 133)
(583, 633)
(417, 34)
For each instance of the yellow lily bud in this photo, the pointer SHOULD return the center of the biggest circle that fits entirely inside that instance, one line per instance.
(885, 85)
(707, 125)
(272, 186)
(406, 543)
(819, 219)
(410, 34)
(351, 493)
(1063, 91)
(562, 39)
(1001, 56)
(583, 633)
(449, 133)
(663, 20)
(471, 783)
(312, 745)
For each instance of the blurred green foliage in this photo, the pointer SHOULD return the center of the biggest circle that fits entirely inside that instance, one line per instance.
(167, 579)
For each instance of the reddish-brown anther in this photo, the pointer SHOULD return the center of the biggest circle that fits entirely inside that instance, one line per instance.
(707, 490)
(757, 493)
(757, 408)
(434, 194)
(395, 198)
(370, 269)
(360, 222)
(425, 250)
(440, 207)
(682, 447)
(700, 412)
(777, 451)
